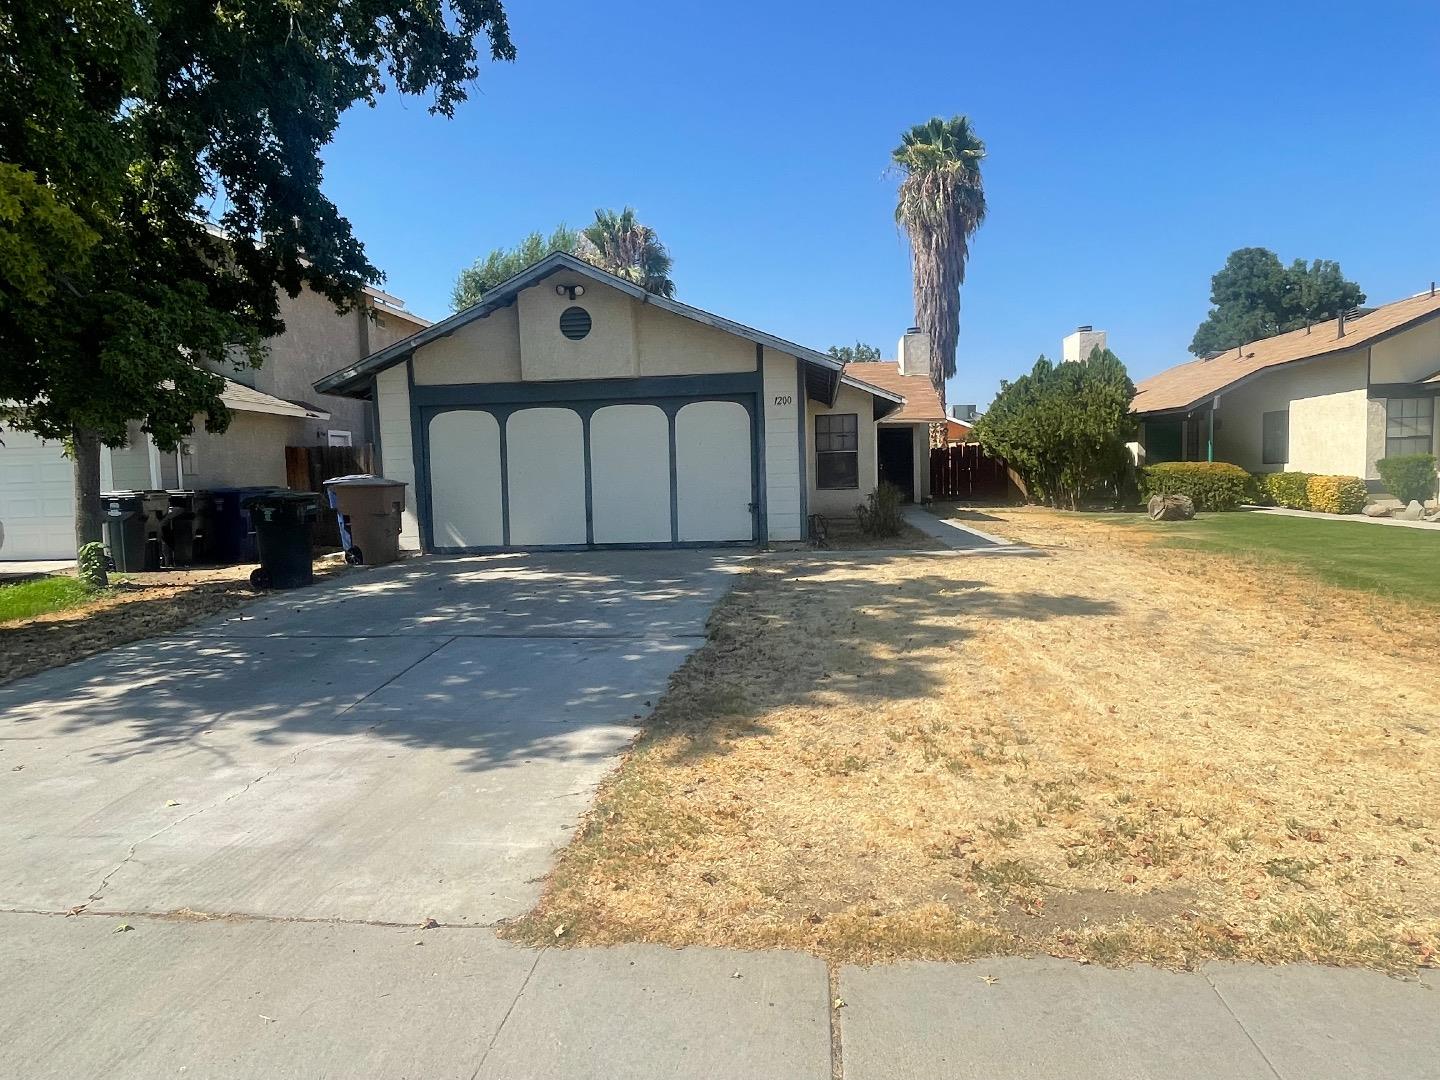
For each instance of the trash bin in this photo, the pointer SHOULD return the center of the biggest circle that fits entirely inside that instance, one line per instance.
(283, 523)
(179, 526)
(126, 529)
(369, 509)
(231, 537)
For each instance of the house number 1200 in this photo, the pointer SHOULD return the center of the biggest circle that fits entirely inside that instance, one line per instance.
(784, 399)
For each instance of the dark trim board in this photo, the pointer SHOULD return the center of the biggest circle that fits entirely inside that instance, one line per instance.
(581, 390)
(679, 545)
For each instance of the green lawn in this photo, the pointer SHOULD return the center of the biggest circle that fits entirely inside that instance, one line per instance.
(1387, 560)
(39, 595)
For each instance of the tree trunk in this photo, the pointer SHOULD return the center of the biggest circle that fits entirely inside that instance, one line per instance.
(87, 488)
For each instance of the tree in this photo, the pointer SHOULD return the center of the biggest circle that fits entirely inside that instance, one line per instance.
(1254, 296)
(1063, 427)
(123, 125)
(941, 204)
(859, 353)
(620, 244)
(504, 263)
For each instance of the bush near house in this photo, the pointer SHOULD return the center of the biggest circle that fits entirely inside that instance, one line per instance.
(879, 515)
(1409, 477)
(1288, 489)
(1336, 494)
(1211, 485)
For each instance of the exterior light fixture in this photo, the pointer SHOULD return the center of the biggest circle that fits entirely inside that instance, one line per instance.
(572, 291)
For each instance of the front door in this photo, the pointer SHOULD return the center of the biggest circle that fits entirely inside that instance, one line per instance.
(896, 452)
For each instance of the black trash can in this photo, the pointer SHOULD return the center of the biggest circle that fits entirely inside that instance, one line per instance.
(284, 521)
(178, 527)
(126, 529)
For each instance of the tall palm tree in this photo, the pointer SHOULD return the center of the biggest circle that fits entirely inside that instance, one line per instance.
(941, 204)
(620, 244)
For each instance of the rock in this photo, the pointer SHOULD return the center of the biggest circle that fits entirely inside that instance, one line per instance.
(1433, 516)
(1171, 507)
(1377, 510)
(1413, 512)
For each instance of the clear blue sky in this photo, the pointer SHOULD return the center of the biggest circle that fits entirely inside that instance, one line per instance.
(1131, 147)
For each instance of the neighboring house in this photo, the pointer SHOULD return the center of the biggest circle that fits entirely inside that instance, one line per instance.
(1332, 398)
(273, 407)
(570, 408)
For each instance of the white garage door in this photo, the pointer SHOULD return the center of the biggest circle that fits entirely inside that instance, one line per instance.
(630, 474)
(712, 471)
(545, 457)
(36, 502)
(465, 480)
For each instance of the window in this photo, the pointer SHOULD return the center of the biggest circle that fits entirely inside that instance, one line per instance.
(334, 437)
(1275, 437)
(1409, 426)
(575, 323)
(837, 450)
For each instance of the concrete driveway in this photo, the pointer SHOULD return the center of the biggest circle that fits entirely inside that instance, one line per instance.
(411, 743)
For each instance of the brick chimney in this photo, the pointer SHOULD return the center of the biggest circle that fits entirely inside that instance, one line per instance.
(913, 352)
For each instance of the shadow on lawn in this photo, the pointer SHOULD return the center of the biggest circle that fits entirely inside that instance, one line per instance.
(510, 659)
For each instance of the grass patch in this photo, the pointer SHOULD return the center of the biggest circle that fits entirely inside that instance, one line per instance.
(1391, 561)
(39, 596)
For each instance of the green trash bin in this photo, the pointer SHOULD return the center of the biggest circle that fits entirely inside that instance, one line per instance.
(284, 521)
(126, 530)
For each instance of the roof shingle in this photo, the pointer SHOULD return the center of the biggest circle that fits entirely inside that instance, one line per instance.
(922, 403)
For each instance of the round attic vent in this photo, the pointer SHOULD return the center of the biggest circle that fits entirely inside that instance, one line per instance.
(575, 323)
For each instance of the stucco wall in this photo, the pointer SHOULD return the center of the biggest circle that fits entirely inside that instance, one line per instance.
(672, 345)
(609, 351)
(392, 400)
(484, 351)
(1327, 400)
(1408, 356)
(250, 453)
(841, 503)
(783, 409)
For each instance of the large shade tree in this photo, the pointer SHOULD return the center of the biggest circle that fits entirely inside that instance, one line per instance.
(163, 183)
(941, 204)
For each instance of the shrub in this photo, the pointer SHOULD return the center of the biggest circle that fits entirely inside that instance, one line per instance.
(1260, 485)
(1410, 477)
(879, 515)
(90, 565)
(1336, 494)
(1289, 489)
(1211, 485)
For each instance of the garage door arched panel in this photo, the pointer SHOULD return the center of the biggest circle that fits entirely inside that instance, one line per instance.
(545, 456)
(630, 474)
(713, 481)
(466, 507)
(37, 500)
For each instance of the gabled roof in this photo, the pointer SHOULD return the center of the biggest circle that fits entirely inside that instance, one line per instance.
(1187, 385)
(355, 378)
(244, 398)
(922, 403)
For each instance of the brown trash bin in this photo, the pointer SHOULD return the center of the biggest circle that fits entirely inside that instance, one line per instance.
(369, 508)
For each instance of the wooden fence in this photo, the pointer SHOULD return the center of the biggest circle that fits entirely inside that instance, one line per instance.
(308, 467)
(964, 471)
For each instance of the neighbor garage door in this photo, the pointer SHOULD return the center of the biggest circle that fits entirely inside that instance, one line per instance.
(571, 475)
(36, 509)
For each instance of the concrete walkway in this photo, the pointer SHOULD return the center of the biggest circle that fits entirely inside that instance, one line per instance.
(958, 536)
(1281, 511)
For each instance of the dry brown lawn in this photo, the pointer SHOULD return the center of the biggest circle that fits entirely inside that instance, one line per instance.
(1112, 751)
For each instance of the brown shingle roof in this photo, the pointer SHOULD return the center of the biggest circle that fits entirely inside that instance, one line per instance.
(1186, 385)
(922, 403)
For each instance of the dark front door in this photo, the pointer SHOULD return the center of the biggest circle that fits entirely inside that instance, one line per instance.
(896, 451)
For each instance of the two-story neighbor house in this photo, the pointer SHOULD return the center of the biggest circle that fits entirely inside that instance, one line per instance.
(570, 408)
(1333, 398)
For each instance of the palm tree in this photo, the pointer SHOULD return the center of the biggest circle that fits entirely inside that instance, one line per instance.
(941, 204)
(620, 244)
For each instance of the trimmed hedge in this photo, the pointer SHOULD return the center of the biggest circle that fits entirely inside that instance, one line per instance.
(1336, 494)
(1409, 477)
(1211, 485)
(1288, 489)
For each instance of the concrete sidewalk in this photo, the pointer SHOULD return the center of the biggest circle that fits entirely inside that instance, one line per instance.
(231, 998)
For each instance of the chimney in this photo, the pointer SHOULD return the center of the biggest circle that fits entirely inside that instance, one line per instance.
(913, 352)
(1081, 343)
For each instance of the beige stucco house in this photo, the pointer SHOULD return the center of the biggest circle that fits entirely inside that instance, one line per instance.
(1332, 398)
(570, 408)
(273, 406)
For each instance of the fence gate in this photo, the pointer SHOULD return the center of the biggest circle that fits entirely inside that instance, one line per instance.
(308, 467)
(966, 472)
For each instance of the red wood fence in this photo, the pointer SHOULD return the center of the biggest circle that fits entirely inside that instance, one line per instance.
(964, 471)
(308, 467)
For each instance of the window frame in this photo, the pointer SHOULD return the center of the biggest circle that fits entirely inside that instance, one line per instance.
(825, 448)
(1427, 414)
(1266, 457)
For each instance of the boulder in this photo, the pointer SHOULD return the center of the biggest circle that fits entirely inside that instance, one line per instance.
(1433, 516)
(1413, 512)
(1377, 510)
(1171, 507)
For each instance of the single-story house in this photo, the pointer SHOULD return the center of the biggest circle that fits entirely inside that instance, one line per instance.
(273, 407)
(571, 408)
(1334, 397)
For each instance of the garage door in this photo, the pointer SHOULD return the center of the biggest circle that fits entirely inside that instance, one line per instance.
(639, 492)
(36, 507)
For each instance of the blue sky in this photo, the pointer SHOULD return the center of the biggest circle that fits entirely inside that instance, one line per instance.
(1131, 147)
